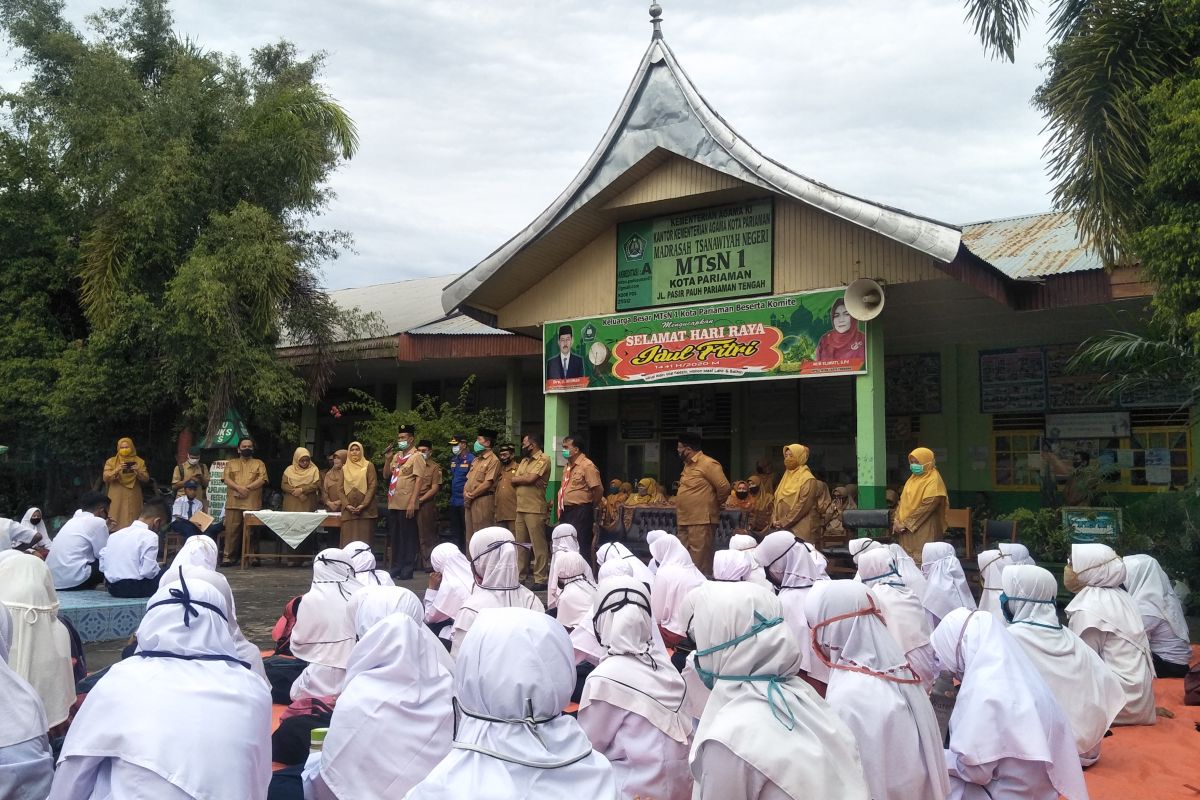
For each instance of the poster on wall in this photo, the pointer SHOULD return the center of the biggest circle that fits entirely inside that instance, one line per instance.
(696, 256)
(216, 490)
(914, 383)
(788, 336)
(1103, 425)
(1012, 380)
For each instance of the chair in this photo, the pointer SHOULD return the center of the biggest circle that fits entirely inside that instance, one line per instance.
(999, 529)
(960, 519)
(730, 523)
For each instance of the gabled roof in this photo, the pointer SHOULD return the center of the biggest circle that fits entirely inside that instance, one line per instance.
(663, 110)
(1032, 246)
(402, 305)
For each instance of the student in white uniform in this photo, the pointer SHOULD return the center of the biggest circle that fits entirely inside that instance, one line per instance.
(181, 719)
(745, 543)
(362, 557)
(372, 604)
(1105, 617)
(991, 567)
(616, 550)
(74, 558)
(26, 764)
(129, 560)
(651, 538)
(732, 566)
(1009, 739)
(1162, 614)
(945, 584)
(40, 647)
(1086, 689)
(676, 576)
(1018, 554)
(632, 707)
(765, 734)
(875, 691)
(514, 675)
(576, 590)
(902, 612)
(494, 566)
(789, 566)
(324, 632)
(394, 720)
(908, 569)
(563, 539)
(450, 584)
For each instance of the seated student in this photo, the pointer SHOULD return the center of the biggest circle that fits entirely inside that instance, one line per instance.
(675, 578)
(323, 634)
(450, 583)
(789, 564)
(1162, 614)
(185, 506)
(130, 559)
(576, 588)
(494, 565)
(74, 559)
(946, 585)
(362, 558)
(901, 611)
(26, 764)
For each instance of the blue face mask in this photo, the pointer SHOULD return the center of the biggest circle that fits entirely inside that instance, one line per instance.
(1008, 614)
(916, 469)
(780, 708)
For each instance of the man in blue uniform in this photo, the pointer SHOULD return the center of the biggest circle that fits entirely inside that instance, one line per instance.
(460, 465)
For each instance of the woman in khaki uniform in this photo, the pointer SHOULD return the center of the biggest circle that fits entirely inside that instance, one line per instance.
(125, 475)
(764, 507)
(921, 514)
(796, 497)
(331, 487)
(301, 483)
(359, 508)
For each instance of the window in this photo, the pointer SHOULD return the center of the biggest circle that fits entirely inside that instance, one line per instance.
(1017, 459)
(1161, 457)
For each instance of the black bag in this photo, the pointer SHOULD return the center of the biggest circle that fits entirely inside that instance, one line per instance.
(282, 672)
(290, 741)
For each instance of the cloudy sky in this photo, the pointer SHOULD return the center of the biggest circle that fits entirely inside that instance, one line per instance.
(474, 114)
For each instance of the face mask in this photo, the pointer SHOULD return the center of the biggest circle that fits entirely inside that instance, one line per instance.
(246, 452)
(423, 453)
(780, 708)
(566, 454)
(505, 458)
(478, 447)
(614, 490)
(753, 490)
(403, 445)
(1008, 614)
(916, 469)
(742, 495)
(456, 449)
(193, 461)
(126, 451)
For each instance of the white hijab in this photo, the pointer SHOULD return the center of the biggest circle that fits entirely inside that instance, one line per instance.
(902, 611)
(991, 567)
(6, 530)
(789, 565)
(908, 569)
(731, 566)
(515, 675)
(1004, 708)
(197, 551)
(876, 692)
(676, 576)
(494, 564)
(1017, 553)
(1085, 687)
(394, 720)
(246, 651)
(372, 604)
(635, 673)
(457, 580)
(40, 527)
(575, 598)
(159, 708)
(614, 567)
(563, 539)
(651, 538)
(1101, 603)
(20, 707)
(324, 632)
(946, 585)
(759, 709)
(362, 557)
(616, 551)
(1152, 592)
(746, 543)
(40, 648)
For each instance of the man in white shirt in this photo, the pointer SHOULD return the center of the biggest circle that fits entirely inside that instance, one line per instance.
(74, 558)
(130, 559)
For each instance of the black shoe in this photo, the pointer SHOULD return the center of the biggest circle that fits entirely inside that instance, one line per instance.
(538, 587)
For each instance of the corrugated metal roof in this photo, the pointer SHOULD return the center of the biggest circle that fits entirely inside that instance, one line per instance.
(1031, 246)
(457, 324)
(402, 305)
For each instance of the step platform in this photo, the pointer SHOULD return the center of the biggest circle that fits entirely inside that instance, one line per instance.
(100, 617)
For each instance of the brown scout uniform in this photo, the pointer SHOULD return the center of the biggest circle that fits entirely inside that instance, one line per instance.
(702, 486)
(481, 485)
(531, 516)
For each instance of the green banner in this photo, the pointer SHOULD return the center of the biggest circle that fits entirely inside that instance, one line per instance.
(787, 336)
(696, 256)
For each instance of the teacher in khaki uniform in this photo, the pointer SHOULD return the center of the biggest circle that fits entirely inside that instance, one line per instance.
(427, 512)
(506, 492)
(479, 495)
(702, 488)
(530, 479)
(244, 477)
(403, 499)
(581, 495)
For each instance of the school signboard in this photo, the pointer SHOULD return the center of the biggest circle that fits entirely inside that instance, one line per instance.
(696, 256)
(1092, 525)
(216, 490)
(786, 336)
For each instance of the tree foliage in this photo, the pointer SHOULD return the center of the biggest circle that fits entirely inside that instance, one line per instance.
(155, 209)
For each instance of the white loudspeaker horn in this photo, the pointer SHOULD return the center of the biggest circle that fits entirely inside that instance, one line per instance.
(864, 299)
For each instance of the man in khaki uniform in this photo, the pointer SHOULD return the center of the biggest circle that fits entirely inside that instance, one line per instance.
(702, 488)
(506, 493)
(192, 470)
(407, 471)
(479, 495)
(427, 489)
(245, 477)
(530, 479)
(581, 495)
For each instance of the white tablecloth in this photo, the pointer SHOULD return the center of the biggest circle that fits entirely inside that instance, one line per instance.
(292, 526)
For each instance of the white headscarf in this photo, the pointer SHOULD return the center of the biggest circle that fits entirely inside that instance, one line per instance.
(20, 707)
(494, 564)
(945, 584)
(1004, 708)
(616, 551)
(394, 720)
(676, 576)
(197, 551)
(1152, 592)
(635, 674)
(614, 567)
(902, 611)
(324, 632)
(457, 580)
(731, 566)
(158, 709)
(788, 561)
(6, 528)
(362, 557)
(759, 709)
(40, 648)
(373, 604)
(651, 538)
(875, 691)
(908, 569)
(563, 539)
(991, 567)
(515, 675)
(40, 527)
(1084, 686)
(246, 651)
(1017, 553)
(745, 543)
(575, 599)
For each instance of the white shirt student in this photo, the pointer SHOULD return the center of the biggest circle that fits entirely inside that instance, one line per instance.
(131, 554)
(77, 546)
(185, 506)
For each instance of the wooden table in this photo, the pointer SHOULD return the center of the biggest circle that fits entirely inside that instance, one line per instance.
(251, 520)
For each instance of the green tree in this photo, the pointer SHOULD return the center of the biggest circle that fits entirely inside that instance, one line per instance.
(156, 202)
